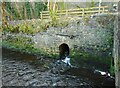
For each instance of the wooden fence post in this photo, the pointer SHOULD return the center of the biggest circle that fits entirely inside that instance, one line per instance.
(83, 12)
(66, 12)
(103, 9)
(41, 16)
(99, 10)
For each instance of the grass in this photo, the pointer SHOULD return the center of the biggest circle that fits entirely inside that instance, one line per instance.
(82, 58)
(34, 26)
(22, 45)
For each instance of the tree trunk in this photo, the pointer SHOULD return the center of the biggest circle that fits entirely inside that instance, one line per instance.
(118, 34)
(117, 49)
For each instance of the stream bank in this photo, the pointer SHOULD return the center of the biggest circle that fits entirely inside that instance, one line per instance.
(20, 69)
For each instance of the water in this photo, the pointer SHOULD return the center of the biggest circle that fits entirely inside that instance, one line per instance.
(103, 73)
(20, 69)
(67, 61)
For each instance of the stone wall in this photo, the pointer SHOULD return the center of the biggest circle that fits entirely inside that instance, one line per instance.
(78, 34)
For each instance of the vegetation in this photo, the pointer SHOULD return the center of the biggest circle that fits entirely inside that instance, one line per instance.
(53, 13)
(35, 26)
(92, 3)
(30, 10)
(112, 68)
(25, 45)
(62, 5)
(24, 28)
(86, 56)
(24, 10)
(39, 7)
(87, 59)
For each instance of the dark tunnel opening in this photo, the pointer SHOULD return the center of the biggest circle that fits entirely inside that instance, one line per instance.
(63, 51)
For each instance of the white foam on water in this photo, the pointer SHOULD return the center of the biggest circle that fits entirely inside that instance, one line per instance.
(103, 73)
(67, 60)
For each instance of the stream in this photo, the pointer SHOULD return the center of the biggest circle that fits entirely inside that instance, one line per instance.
(21, 69)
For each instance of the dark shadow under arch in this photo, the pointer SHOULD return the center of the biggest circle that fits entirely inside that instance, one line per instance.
(63, 50)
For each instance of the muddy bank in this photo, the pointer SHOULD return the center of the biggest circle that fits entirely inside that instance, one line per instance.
(20, 69)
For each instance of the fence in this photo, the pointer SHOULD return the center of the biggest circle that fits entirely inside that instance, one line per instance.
(80, 12)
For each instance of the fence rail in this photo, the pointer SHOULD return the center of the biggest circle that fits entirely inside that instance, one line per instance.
(81, 12)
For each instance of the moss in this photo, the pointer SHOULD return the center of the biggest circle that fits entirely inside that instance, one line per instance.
(112, 70)
(23, 45)
(82, 57)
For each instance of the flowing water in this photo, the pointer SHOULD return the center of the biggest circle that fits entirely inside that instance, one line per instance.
(21, 69)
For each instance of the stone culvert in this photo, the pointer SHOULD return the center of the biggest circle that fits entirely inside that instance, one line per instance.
(79, 34)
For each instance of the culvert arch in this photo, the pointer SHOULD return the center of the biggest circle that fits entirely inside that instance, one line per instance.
(64, 50)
